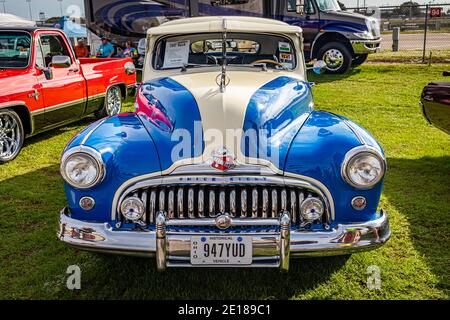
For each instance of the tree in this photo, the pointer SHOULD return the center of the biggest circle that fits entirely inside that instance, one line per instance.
(408, 8)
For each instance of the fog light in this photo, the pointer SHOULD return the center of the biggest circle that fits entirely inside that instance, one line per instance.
(132, 208)
(311, 209)
(359, 203)
(87, 203)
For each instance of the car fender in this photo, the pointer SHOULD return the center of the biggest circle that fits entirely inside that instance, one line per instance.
(127, 150)
(318, 152)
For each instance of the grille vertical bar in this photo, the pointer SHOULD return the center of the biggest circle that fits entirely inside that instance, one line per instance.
(243, 202)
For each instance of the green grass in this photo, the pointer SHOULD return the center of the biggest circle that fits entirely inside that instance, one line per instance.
(410, 56)
(414, 263)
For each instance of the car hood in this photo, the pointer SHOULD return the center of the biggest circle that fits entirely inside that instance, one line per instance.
(344, 16)
(255, 118)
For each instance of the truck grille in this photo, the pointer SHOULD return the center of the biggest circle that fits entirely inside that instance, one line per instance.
(205, 201)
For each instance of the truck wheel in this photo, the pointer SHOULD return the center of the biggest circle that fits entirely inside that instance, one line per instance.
(359, 60)
(336, 56)
(11, 135)
(113, 103)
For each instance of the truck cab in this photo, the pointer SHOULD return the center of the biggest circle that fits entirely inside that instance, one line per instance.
(341, 39)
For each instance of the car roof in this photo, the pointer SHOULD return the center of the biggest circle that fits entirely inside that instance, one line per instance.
(222, 23)
(27, 28)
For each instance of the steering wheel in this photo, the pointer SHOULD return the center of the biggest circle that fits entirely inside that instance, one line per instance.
(268, 61)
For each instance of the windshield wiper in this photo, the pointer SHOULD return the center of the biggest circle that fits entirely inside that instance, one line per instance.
(195, 65)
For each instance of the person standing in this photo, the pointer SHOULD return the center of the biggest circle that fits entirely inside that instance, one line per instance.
(106, 49)
(130, 51)
(81, 51)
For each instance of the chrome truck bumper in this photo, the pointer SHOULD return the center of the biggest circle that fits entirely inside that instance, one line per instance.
(365, 46)
(270, 249)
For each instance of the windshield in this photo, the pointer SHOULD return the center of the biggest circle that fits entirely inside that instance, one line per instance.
(14, 49)
(242, 49)
(328, 5)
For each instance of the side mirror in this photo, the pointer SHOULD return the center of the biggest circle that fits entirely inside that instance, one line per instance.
(318, 67)
(48, 73)
(61, 62)
(130, 68)
(299, 6)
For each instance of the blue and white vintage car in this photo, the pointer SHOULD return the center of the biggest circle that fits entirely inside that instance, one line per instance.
(225, 161)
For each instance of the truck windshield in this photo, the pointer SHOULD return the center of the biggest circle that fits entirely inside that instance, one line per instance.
(328, 5)
(242, 49)
(15, 49)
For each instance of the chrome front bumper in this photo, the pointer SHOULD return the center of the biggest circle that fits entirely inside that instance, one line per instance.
(365, 46)
(270, 249)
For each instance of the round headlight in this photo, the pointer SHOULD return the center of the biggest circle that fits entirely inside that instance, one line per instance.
(82, 167)
(132, 208)
(363, 167)
(311, 209)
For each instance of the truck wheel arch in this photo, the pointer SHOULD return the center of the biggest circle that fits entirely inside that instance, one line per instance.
(328, 36)
(24, 115)
(123, 89)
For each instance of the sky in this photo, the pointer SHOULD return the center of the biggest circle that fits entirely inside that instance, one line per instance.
(52, 7)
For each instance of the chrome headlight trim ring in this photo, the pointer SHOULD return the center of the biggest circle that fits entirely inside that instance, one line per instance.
(357, 151)
(87, 151)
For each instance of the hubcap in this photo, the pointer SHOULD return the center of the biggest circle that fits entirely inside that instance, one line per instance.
(114, 102)
(10, 136)
(333, 58)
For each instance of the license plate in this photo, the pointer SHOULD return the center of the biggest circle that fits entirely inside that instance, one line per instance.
(221, 250)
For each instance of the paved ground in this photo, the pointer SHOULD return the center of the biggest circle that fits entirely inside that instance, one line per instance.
(415, 41)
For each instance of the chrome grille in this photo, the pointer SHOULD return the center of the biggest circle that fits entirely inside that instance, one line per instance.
(202, 201)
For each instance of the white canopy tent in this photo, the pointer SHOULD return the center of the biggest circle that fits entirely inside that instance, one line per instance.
(10, 20)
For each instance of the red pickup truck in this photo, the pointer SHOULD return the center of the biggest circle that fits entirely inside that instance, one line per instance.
(43, 85)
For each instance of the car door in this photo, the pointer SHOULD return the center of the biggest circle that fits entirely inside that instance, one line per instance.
(309, 20)
(65, 93)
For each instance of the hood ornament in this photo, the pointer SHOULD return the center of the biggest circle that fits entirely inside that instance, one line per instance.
(223, 160)
(222, 82)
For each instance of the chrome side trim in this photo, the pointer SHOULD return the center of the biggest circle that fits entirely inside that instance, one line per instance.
(58, 106)
(88, 135)
(355, 132)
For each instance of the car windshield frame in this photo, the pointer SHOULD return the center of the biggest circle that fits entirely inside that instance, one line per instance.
(329, 5)
(18, 33)
(159, 50)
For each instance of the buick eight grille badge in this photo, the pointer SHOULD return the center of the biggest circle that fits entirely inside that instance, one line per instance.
(223, 160)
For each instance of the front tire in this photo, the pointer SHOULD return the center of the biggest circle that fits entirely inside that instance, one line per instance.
(11, 135)
(112, 104)
(337, 57)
